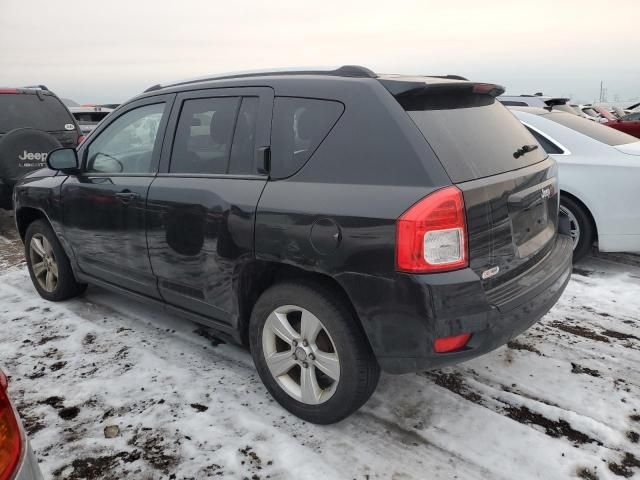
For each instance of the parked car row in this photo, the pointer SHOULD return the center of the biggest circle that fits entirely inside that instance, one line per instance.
(627, 121)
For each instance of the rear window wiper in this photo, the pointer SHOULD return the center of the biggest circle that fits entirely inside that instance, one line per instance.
(524, 149)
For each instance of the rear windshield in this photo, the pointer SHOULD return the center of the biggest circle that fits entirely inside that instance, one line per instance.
(90, 117)
(43, 112)
(598, 132)
(473, 135)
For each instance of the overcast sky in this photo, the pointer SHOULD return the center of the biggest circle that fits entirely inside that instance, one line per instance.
(98, 51)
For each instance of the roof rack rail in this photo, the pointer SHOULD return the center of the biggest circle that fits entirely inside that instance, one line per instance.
(355, 71)
(37, 87)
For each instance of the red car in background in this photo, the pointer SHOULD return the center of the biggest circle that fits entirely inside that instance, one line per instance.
(625, 124)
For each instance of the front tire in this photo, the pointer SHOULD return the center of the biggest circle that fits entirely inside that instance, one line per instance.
(49, 265)
(581, 227)
(310, 353)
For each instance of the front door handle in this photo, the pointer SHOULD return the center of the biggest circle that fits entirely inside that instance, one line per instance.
(126, 196)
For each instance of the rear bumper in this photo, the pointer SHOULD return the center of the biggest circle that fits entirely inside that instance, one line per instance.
(411, 311)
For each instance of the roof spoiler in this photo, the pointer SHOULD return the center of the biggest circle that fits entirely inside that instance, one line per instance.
(413, 88)
(554, 102)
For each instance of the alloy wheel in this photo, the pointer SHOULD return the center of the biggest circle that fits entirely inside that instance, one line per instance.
(574, 226)
(43, 262)
(300, 354)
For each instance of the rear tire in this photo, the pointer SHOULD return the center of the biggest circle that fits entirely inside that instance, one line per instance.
(582, 230)
(317, 339)
(49, 265)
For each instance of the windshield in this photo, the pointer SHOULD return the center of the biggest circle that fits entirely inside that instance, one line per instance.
(474, 138)
(44, 112)
(598, 132)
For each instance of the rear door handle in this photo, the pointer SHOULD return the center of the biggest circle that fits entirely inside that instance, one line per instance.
(126, 196)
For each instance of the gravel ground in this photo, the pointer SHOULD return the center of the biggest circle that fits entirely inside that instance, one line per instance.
(110, 389)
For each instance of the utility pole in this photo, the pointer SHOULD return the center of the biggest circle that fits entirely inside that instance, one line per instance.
(600, 98)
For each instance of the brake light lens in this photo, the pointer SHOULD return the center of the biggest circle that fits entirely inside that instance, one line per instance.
(8, 90)
(10, 440)
(432, 235)
(451, 344)
(81, 139)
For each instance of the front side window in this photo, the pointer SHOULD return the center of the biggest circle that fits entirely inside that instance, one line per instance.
(127, 144)
(204, 135)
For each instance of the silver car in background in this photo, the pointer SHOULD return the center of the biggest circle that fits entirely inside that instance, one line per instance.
(17, 461)
(89, 116)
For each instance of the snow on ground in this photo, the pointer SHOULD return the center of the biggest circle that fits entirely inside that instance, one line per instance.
(561, 401)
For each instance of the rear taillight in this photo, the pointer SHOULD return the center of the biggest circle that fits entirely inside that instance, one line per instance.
(10, 440)
(81, 139)
(8, 90)
(432, 235)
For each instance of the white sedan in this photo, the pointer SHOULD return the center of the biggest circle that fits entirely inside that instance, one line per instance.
(599, 172)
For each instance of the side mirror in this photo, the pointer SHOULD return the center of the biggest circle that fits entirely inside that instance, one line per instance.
(63, 159)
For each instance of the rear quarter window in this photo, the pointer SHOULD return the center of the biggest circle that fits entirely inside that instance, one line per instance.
(299, 126)
(598, 132)
(43, 112)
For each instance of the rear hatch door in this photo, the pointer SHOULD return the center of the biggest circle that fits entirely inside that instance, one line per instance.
(508, 182)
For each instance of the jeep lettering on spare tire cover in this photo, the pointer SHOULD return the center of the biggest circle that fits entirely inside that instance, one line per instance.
(23, 150)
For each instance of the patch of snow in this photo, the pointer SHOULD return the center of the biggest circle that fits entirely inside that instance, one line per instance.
(561, 398)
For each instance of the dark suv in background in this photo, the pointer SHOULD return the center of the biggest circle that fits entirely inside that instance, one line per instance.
(33, 121)
(337, 222)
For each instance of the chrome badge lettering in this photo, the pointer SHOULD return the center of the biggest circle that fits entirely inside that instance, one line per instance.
(546, 192)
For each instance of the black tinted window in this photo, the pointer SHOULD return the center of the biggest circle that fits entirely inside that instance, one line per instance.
(598, 132)
(44, 112)
(244, 138)
(512, 103)
(474, 136)
(203, 137)
(90, 117)
(545, 143)
(299, 126)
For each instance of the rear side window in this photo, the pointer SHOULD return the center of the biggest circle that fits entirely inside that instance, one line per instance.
(473, 135)
(598, 132)
(512, 103)
(203, 138)
(545, 143)
(44, 112)
(299, 126)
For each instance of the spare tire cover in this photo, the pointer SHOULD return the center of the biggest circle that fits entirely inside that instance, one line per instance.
(23, 150)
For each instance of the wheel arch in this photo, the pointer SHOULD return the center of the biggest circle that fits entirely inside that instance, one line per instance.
(586, 209)
(257, 276)
(25, 216)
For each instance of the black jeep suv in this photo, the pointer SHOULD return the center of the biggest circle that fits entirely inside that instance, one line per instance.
(33, 121)
(336, 222)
